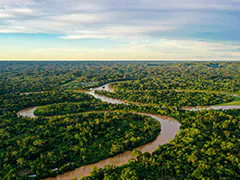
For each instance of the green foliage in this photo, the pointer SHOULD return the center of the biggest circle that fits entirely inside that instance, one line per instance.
(169, 97)
(36, 146)
(73, 108)
(11, 103)
(220, 77)
(235, 102)
(45, 76)
(207, 147)
(70, 108)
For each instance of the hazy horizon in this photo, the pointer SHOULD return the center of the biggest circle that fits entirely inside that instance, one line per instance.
(120, 30)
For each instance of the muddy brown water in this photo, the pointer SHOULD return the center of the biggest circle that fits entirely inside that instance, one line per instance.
(29, 112)
(198, 108)
(169, 129)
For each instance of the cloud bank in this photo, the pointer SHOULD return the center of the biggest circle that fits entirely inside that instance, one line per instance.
(178, 22)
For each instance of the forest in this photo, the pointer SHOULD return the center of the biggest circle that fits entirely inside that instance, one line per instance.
(207, 147)
(14, 102)
(38, 146)
(43, 76)
(73, 128)
(170, 97)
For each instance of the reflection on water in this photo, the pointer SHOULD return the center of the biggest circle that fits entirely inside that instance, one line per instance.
(103, 98)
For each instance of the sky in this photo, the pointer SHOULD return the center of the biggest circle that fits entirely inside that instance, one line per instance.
(119, 29)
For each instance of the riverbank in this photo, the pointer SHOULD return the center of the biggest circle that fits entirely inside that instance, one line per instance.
(169, 128)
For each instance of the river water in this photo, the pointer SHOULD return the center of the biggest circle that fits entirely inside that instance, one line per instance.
(169, 128)
(199, 108)
(29, 112)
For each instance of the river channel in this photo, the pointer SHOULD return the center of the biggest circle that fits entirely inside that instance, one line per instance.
(169, 128)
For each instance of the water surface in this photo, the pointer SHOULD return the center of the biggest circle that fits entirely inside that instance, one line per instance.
(29, 112)
(169, 129)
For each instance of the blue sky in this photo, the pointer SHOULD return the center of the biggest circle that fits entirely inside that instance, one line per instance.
(126, 29)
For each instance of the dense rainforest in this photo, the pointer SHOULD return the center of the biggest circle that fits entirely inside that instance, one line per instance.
(74, 108)
(170, 97)
(207, 147)
(15, 101)
(72, 128)
(43, 76)
(38, 146)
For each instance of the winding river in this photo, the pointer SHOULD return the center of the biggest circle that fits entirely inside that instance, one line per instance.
(169, 128)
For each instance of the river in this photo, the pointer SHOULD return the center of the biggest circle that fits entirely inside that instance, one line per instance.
(169, 128)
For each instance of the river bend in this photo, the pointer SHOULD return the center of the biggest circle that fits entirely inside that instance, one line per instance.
(169, 128)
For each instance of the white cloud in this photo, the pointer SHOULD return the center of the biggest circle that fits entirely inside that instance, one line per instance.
(183, 5)
(80, 18)
(139, 22)
(4, 15)
(83, 37)
(14, 12)
(116, 32)
(67, 17)
(19, 10)
(4, 3)
(14, 29)
(164, 49)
